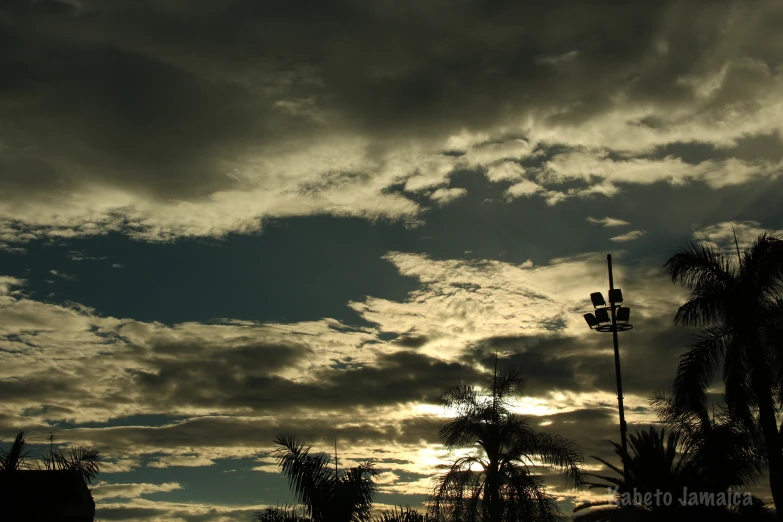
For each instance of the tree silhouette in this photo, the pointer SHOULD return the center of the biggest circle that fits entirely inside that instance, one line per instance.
(498, 484)
(737, 306)
(15, 458)
(660, 467)
(326, 494)
(82, 459)
(722, 450)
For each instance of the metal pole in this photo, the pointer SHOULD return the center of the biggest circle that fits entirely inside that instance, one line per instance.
(617, 373)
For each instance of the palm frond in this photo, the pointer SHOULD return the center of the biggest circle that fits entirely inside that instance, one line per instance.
(15, 458)
(355, 492)
(310, 477)
(697, 367)
(696, 265)
(763, 264)
(85, 461)
(554, 451)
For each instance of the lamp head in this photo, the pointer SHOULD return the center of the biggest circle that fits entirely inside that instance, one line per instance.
(598, 299)
(592, 322)
(615, 296)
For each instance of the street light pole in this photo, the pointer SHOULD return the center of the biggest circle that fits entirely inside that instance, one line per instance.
(613, 318)
(623, 428)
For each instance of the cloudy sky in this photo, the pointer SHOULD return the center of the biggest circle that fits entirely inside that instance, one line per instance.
(225, 220)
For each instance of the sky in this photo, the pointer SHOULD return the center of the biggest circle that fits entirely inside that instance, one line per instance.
(225, 221)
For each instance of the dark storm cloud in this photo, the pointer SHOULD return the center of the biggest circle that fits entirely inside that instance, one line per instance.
(187, 375)
(88, 111)
(37, 387)
(162, 99)
(649, 358)
(752, 147)
(132, 513)
(412, 341)
(254, 434)
(592, 429)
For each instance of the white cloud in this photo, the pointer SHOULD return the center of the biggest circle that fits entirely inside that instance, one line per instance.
(104, 490)
(61, 275)
(523, 188)
(721, 235)
(608, 222)
(190, 461)
(629, 236)
(715, 173)
(445, 195)
(508, 170)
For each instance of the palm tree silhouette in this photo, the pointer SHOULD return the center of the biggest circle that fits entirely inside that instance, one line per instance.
(498, 484)
(326, 494)
(662, 466)
(723, 450)
(738, 307)
(82, 459)
(15, 458)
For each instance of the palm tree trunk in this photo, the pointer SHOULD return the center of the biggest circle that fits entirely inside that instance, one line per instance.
(493, 488)
(762, 385)
(772, 443)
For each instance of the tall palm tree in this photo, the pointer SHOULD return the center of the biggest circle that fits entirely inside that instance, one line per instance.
(737, 306)
(498, 484)
(82, 459)
(326, 494)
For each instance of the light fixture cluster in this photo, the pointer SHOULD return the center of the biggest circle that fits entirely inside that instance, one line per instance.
(601, 319)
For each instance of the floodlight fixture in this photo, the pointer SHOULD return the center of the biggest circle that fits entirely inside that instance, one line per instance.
(602, 315)
(592, 322)
(615, 296)
(598, 299)
(623, 314)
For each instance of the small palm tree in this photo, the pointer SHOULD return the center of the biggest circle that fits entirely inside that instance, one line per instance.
(326, 494)
(737, 306)
(722, 449)
(84, 460)
(497, 484)
(651, 464)
(700, 454)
